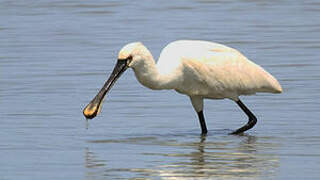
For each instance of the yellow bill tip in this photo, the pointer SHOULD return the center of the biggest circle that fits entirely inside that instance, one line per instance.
(91, 111)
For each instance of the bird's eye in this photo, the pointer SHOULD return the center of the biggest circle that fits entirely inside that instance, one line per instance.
(129, 58)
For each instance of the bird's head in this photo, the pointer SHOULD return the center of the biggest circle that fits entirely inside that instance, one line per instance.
(128, 56)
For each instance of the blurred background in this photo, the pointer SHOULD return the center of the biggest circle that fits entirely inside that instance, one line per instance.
(55, 55)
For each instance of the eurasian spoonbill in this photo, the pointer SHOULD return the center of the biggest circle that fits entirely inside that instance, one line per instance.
(199, 69)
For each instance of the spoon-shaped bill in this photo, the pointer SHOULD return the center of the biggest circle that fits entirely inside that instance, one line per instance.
(94, 107)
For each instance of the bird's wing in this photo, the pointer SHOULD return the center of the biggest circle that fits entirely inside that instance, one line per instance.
(214, 67)
(226, 74)
(207, 52)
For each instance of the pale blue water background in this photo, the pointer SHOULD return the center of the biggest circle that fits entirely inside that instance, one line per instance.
(55, 55)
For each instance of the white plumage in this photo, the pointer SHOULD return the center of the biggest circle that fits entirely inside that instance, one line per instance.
(213, 70)
(199, 69)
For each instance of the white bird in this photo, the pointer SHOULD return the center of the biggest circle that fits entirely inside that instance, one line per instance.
(199, 69)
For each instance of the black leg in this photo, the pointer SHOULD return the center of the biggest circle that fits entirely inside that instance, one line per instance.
(202, 123)
(252, 119)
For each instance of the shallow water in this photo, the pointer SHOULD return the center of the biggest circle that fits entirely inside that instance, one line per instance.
(55, 55)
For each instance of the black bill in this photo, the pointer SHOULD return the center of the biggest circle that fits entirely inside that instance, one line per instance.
(94, 107)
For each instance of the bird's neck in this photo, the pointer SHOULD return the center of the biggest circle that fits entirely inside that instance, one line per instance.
(148, 75)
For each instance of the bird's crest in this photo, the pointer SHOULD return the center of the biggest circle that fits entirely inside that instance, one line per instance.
(128, 50)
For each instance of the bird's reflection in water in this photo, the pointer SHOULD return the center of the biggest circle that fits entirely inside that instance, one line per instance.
(224, 160)
(227, 157)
